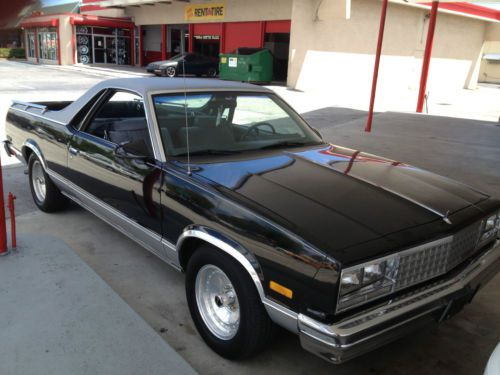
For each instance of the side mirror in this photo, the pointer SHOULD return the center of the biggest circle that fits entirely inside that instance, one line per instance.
(136, 149)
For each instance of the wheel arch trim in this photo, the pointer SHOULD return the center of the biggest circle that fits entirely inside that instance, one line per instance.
(32, 145)
(227, 245)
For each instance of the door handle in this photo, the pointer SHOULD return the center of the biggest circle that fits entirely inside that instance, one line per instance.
(73, 151)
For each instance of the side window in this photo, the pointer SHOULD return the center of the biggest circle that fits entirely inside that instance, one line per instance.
(121, 120)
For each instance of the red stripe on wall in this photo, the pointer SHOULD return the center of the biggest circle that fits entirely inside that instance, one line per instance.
(278, 26)
(243, 34)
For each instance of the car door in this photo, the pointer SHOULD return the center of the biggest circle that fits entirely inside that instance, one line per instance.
(191, 64)
(111, 161)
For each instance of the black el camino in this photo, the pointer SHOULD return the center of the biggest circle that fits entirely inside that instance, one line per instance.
(271, 225)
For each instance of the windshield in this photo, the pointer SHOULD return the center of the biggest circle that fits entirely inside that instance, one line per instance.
(228, 122)
(178, 57)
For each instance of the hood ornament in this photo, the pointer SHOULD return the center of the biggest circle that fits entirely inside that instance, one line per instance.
(446, 219)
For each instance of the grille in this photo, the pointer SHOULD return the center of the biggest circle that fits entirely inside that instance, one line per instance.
(436, 258)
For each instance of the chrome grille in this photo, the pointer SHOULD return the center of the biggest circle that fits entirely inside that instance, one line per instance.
(437, 257)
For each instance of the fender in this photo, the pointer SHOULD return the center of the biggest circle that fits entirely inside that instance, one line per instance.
(227, 245)
(278, 313)
(31, 144)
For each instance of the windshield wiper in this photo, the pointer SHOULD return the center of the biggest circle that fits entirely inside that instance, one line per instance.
(283, 145)
(210, 152)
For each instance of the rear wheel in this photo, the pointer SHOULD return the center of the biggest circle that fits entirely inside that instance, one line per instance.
(225, 305)
(212, 72)
(170, 71)
(45, 193)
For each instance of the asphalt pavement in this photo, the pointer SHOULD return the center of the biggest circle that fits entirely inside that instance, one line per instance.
(466, 150)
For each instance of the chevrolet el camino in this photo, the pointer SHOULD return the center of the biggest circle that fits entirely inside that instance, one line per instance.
(271, 225)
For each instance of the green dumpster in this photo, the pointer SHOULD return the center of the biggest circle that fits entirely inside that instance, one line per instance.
(247, 65)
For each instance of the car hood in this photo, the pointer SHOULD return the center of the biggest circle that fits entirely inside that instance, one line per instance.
(335, 197)
(163, 63)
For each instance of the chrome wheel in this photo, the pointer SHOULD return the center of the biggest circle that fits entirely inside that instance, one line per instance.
(170, 71)
(217, 302)
(38, 180)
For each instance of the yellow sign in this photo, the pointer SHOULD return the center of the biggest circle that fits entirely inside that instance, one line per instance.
(204, 12)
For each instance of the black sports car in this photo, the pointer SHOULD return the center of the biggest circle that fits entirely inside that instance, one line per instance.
(272, 225)
(185, 63)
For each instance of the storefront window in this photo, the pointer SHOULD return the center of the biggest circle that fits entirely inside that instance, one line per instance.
(47, 43)
(103, 45)
(31, 44)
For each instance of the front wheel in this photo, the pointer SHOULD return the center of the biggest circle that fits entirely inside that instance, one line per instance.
(170, 71)
(225, 305)
(45, 193)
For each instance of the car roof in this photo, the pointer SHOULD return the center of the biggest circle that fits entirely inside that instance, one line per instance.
(145, 85)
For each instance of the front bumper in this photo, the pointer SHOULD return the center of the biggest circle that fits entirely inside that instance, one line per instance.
(371, 329)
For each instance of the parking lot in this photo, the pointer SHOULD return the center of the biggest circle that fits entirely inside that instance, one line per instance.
(466, 150)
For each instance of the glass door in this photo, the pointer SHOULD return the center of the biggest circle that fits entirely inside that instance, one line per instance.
(111, 50)
(99, 49)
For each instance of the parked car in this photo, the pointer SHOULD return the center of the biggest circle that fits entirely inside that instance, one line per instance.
(192, 63)
(272, 225)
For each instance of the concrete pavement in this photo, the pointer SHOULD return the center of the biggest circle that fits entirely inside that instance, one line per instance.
(57, 316)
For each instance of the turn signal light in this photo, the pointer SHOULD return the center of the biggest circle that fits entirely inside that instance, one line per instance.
(284, 291)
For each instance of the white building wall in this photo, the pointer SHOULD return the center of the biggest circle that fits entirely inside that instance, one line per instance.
(333, 48)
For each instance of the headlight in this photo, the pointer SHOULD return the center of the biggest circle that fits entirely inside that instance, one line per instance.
(366, 282)
(490, 229)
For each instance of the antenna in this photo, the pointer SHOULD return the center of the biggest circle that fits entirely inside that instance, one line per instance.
(186, 116)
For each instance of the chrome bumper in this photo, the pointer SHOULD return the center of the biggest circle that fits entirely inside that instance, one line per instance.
(12, 151)
(371, 329)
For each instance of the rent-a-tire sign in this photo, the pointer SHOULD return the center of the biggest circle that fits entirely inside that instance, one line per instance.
(204, 12)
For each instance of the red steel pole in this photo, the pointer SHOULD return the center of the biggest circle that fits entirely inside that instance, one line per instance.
(368, 127)
(427, 56)
(3, 224)
(12, 197)
(163, 42)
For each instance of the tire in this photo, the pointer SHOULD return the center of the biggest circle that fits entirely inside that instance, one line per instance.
(212, 72)
(170, 71)
(45, 193)
(254, 329)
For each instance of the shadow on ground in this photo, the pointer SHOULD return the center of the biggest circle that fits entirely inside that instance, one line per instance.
(465, 150)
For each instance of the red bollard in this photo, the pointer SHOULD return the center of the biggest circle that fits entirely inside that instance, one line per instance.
(12, 197)
(3, 224)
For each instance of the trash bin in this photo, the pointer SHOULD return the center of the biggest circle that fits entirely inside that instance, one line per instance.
(247, 65)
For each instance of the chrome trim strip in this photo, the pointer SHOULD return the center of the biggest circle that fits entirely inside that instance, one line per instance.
(141, 235)
(336, 334)
(33, 147)
(39, 116)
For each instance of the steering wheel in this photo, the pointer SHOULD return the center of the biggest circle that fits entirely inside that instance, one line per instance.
(255, 128)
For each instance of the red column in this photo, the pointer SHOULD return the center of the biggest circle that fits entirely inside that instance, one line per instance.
(36, 43)
(222, 38)
(262, 33)
(427, 56)
(163, 42)
(191, 38)
(132, 46)
(58, 36)
(73, 43)
(139, 30)
(368, 127)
